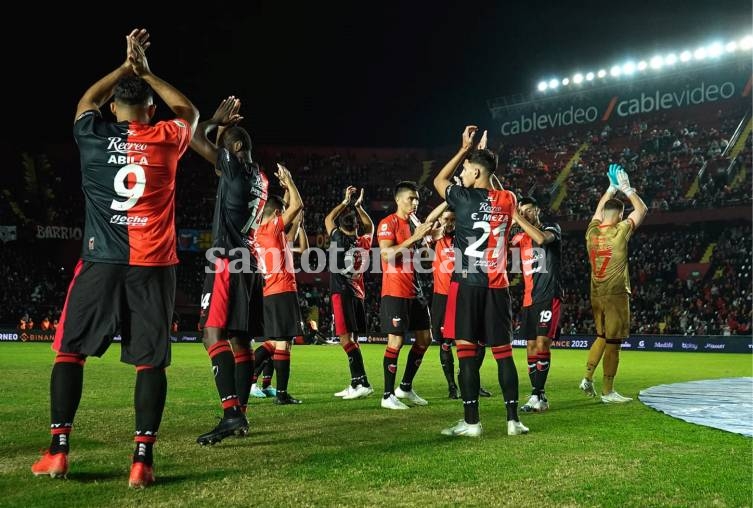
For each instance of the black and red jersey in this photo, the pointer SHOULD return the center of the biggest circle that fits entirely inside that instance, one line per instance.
(128, 178)
(443, 264)
(482, 227)
(241, 196)
(541, 266)
(349, 252)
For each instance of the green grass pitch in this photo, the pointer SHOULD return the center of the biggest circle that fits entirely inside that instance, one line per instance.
(328, 452)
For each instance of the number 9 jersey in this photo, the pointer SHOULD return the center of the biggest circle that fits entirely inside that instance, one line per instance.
(128, 179)
(482, 226)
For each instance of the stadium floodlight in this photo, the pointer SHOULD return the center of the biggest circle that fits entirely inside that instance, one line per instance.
(715, 50)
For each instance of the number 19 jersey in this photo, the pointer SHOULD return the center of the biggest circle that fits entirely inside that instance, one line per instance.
(128, 178)
(482, 227)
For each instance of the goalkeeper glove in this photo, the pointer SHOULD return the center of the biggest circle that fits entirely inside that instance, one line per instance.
(624, 183)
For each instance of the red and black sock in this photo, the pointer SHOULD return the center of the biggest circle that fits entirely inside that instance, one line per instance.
(149, 401)
(542, 371)
(244, 362)
(447, 362)
(390, 370)
(66, 385)
(267, 371)
(281, 360)
(361, 368)
(223, 365)
(351, 349)
(470, 381)
(415, 357)
(532, 360)
(508, 379)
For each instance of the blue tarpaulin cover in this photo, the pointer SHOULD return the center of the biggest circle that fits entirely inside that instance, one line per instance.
(725, 404)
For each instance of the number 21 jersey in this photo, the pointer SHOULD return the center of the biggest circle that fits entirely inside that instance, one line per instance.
(482, 227)
(128, 178)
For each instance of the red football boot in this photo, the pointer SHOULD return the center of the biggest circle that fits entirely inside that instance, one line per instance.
(55, 465)
(142, 475)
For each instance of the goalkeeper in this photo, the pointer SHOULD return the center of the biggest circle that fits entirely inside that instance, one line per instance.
(606, 241)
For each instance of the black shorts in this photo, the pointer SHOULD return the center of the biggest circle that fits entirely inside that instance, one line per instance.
(401, 315)
(348, 314)
(438, 306)
(541, 320)
(106, 299)
(232, 301)
(282, 316)
(478, 314)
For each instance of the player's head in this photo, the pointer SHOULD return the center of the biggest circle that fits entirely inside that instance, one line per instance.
(237, 140)
(274, 205)
(478, 167)
(528, 207)
(613, 210)
(133, 100)
(348, 220)
(447, 221)
(406, 197)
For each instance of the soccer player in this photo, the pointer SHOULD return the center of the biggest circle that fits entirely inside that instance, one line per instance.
(606, 240)
(125, 280)
(404, 306)
(478, 302)
(443, 266)
(282, 313)
(231, 298)
(350, 242)
(541, 253)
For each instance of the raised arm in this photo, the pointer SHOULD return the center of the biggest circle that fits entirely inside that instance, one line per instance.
(444, 178)
(226, 114)
(295, 205)
(538, 236)
(303, 239)
(175, 100)
(639, 207)
(436, 213)
(100, 92)
(329, 220)
(366, 223)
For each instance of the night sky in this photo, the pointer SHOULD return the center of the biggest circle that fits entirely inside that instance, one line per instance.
(358, 74)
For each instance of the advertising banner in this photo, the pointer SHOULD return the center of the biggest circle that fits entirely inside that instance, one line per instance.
(623, 99)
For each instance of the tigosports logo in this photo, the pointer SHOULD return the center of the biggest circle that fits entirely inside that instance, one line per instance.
(125, 220)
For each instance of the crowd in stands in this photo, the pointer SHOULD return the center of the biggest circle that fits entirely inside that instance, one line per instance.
(662, 156)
